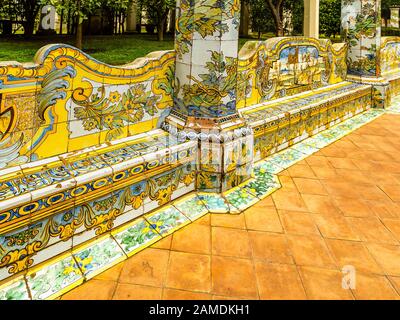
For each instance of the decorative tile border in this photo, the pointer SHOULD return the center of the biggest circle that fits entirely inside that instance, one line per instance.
(61, 274)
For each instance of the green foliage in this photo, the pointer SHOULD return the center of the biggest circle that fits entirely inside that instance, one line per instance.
(156, 10)
(330, 12)
(262, 19)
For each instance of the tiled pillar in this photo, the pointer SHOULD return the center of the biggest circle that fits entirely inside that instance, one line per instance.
(394, 16)
(311, 18)
(206, 45)
(361, 29)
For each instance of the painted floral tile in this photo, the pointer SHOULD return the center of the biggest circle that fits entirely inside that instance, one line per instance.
(240, 198)
(136, 236)
(269, 166)
(14, 290)
(287, 158)
(305, 148)
(191, 206)
(98, 256)
(216, 203)
(166, 221)
(262, 187)
(54, 279)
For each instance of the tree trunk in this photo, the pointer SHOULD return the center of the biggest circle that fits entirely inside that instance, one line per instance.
(78, 37)
(244, 19)
(276, 11)
(160, 31)
(61, 20)
(279, 29)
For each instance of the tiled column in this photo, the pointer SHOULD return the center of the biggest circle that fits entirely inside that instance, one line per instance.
(311, 18)
(206, 45)
(361, 29)
(394, 16)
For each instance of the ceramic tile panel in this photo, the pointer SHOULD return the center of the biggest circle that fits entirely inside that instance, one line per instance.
(240, 198)
(14, 290)
(135, 236)
(165, 221)
(191, 206)
(55, 278)
(97, 256)
(215, 203)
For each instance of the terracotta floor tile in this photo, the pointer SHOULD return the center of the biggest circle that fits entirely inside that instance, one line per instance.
(309, 186)
(126, 291)
(354, 176)
(195, 238)
(387, 256)
(320, 204)
(204, 220)
(265, 219)
(354, 254)
(298, 222)
(396, 177)
(279, 281)
(164, 243)
(310, 251)
(189, 271)
(325, 173)
(335, 227)
(392, 190)
(228, 220)
(267, 202)
(147, 267)
(301, 171)
(381, 178)
(324, 284)
(395, 281)
(173, 294)
(217, 297)
(289, 201)
(371, 230)
(334, 151)
(92, 290)
(233, 277)
(374, 287)
(287, 184)
(354, 208)
(394, 227)
(342, 163)
(385, 209)
(111, 274)
(224, 245)
(369, 165)
(371, 192)
(318, 161)
(270, 247)
(341, 189)
(348, 145)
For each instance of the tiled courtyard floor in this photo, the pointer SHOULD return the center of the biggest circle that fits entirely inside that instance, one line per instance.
(338, 207)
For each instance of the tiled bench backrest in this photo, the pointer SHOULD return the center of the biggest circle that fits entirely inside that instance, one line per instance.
(66, 101)
(280, 67)
(390, 62)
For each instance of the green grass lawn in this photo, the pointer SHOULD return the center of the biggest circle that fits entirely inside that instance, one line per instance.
(116, 50)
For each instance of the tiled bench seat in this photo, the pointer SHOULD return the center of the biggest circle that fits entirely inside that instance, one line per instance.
(52, 205)
(280, 123)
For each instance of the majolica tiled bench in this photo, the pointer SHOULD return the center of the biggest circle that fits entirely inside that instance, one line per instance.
(280, 123)
(390, 63)
(53, 203)
(297, 88)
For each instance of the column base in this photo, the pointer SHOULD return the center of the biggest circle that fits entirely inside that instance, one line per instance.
(225, 157)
